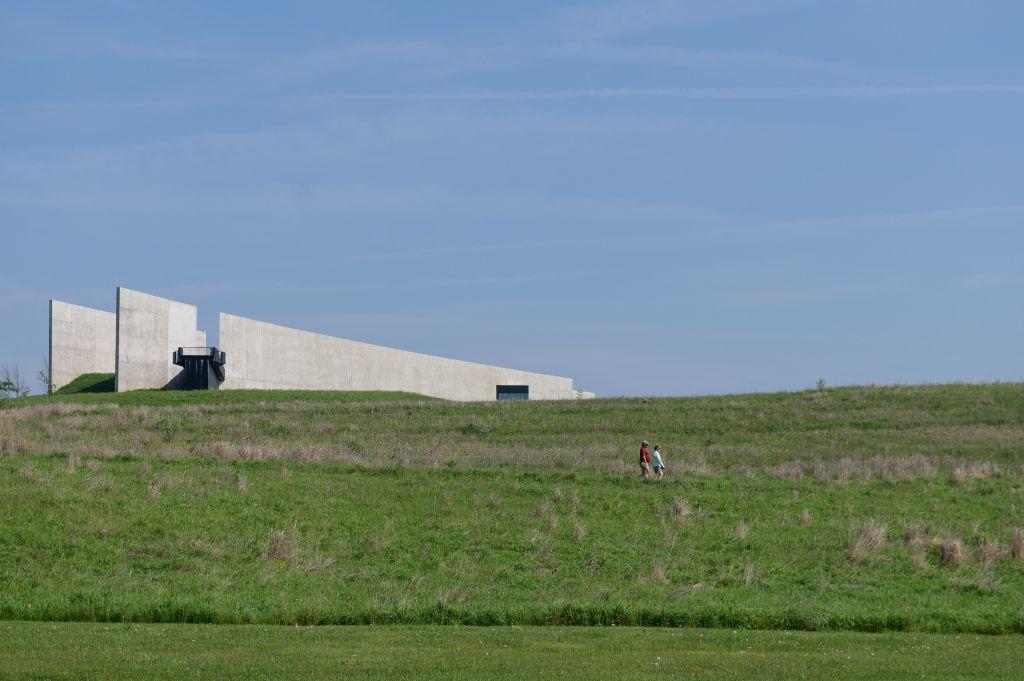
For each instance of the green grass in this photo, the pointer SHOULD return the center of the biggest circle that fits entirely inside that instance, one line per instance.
(88, 383)
(252, 653)
(201, 540)
(282, 508)
(893, 431)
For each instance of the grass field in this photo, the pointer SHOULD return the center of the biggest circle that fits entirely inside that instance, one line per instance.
(893, 432)
(849, 509)
(866, 509)
(252, 653)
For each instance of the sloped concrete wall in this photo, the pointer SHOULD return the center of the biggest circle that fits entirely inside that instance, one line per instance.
(82, 341)
(149, 330)
(268, 356)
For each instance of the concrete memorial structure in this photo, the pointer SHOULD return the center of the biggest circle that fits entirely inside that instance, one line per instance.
(148, 341)
(149, 330)
(82, 341)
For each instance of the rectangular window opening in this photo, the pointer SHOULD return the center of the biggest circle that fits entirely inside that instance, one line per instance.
(513, 392)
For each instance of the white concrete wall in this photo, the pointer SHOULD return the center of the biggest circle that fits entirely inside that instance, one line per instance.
(82, 341)
(149, 330)
(268, 356)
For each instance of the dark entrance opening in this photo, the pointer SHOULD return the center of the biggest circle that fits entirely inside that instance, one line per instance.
(513, 392)
(202, 368)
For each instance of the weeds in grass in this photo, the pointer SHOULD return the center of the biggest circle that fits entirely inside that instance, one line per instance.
(1017, 544)
(679, 510)
(495, 500)
(552, 522)
(72, 462)
(281, 545)
(742, 530)
(951, 552)
(658, 573)
(542, 508)
(805, 517)
(316, 562)
(750, 574)
(243, 484)
(579, 530)
(158, 484)
(866, 540)
(987, 553)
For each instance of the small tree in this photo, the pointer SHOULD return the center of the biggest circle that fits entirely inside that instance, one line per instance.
(11, 383)
(45, 376)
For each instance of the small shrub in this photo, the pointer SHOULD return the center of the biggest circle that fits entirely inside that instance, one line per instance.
(951, 552)
(281, 545)
(911, 536)
(679, 509)
(870, 537)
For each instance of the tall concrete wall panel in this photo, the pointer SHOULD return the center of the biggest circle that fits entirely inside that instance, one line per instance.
(268, 356)
(82, 341)
(149, 330)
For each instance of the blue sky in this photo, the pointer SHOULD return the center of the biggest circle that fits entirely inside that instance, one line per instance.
(652, 197)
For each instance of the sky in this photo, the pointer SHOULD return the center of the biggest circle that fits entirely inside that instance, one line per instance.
(653, 197)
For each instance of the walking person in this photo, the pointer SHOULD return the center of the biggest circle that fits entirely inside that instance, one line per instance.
(645, 461)
(659, 467)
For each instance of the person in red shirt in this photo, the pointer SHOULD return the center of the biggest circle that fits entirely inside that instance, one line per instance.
(645, 460)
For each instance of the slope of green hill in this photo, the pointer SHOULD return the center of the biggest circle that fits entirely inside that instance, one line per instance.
(88, 383)
(868, 509)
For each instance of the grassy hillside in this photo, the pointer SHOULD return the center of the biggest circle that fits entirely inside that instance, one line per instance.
(88, 383)
(254, 653)
(854, 508)
(891, 432)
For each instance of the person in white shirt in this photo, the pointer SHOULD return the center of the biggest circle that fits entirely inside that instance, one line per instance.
(659, 467)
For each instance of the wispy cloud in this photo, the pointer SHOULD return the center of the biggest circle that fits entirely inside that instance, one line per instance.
(599, 21)
(715, 93)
